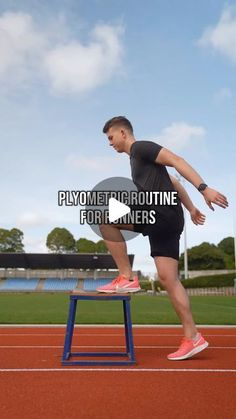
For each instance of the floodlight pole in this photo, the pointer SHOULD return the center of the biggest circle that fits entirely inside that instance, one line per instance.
(234, 250)
(234, 242)
(182, 180)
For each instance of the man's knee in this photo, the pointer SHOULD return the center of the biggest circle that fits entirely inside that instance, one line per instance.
(105, 227)
(102, 227)
(167, 281)
(167, 269)
(105, 232)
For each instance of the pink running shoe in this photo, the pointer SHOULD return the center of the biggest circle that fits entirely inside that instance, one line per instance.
(112, 286)
(128, 286)
(188, 348)
(121, 285)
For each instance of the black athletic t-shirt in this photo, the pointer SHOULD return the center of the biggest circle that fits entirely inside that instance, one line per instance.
(150, 176)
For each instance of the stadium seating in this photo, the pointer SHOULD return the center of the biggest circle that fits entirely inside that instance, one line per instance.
(57, 284)
(19, 284)
(91, 284)
(51, 284)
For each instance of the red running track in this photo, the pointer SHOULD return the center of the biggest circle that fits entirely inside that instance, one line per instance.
(33, 384)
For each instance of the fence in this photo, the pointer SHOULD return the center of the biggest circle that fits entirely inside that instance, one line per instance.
(211, 291)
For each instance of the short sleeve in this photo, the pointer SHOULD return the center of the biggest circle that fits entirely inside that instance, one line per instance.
(146, 150)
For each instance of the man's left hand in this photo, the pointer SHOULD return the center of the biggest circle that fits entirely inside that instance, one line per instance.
(212, 196)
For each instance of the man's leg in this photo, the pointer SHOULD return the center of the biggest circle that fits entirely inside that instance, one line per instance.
(118, 249)
(117, 246)
(168, 274)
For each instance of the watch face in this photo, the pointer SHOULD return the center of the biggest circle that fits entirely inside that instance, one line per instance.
(202, 187)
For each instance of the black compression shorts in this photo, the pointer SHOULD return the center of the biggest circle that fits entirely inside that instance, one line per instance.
(163, 239)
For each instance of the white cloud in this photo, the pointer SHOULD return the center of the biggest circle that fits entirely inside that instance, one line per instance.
(223, 94)
(31, 219)
(180, 135)
(20, 44)
(48, 218)
(33, 245)
(93, 163)
(76, 68)
(69, 65)
(222, 36)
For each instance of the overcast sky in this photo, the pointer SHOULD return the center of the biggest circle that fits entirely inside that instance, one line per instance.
(68, 66)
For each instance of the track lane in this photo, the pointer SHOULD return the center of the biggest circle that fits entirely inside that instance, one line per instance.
(199, 387)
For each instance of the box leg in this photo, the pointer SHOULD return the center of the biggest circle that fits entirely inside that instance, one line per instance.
(128, 330)
(126, 327)
(69, 329)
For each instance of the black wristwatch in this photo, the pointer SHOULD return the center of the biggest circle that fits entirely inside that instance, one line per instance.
(202, 187)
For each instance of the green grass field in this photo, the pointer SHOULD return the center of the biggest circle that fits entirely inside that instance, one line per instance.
(146, 309)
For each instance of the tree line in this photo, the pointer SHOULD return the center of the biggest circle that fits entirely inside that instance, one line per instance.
(61, 240)
(211, 256)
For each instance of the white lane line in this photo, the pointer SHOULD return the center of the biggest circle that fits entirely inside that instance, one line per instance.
(100, 346)
(69, 369)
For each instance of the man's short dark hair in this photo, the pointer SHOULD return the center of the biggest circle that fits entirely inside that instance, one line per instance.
(118, 121)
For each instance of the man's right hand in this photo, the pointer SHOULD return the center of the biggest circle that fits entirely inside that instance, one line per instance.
(197, 217)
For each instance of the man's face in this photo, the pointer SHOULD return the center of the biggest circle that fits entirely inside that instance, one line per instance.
(116, 137)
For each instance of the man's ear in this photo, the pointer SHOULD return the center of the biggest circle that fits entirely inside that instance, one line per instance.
(123, 133)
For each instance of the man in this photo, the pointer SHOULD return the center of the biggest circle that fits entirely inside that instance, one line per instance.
(148, 161)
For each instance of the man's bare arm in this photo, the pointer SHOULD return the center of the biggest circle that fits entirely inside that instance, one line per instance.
(182, 193)
(196, 216)
(167, 158)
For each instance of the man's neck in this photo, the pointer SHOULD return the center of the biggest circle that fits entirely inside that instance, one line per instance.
(128, 144)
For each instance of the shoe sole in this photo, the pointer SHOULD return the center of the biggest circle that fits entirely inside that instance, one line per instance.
(120, 291)
(191, 353)
(106, 291)
(124, 290)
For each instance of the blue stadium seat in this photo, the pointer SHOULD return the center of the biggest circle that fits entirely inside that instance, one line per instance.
(57, 284)
(20, 284)
(91, 284)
